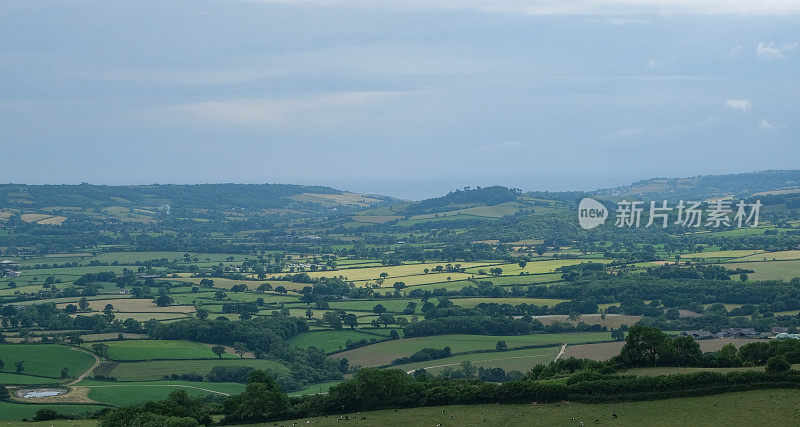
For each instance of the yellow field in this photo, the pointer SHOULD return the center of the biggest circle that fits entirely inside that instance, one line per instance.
(251, 284)
(43, 219)
(537, 267)
(722, 254)
(133, 305)
(422, 279)
(782, 255)
(371, 273)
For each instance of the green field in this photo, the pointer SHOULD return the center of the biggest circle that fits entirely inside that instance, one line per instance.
(18, 411)
(520, 360)
(45, 360)
(156, 369)
(383, 353)
(137, 392)
(330, 340)
(769, 270)
(11, 378)
(751, 408)
(159, 350)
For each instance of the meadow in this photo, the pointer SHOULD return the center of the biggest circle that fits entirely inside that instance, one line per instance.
(46, 360)
(156, 369)
(384, 353)
(159, 350)
(331, 340)
(519, 360)
(760, 407)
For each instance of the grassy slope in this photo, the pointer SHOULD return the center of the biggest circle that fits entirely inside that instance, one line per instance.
(45, 359)
(159, 349)
(384, 352)
(155, 370)
(762, 407)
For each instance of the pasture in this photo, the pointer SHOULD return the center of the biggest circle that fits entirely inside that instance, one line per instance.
(134, 305)
(137, 392)
(159, 350)
(519, 360)
(45, 360)
(330, 340)
(769, 270)
(749, 408)
(385, 352)
(156, 369)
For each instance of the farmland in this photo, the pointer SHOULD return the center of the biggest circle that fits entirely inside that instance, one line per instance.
(742, 408)
(347, 293)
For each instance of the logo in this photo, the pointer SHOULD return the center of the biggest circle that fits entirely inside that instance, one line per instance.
(591, 213)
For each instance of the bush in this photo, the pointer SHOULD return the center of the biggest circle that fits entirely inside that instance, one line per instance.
(778, 364)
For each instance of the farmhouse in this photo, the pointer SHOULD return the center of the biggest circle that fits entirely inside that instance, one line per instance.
(698, 335)
(737, 332)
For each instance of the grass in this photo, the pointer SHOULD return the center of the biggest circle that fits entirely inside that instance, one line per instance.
(770, 270)
(134, 305)
(315, 388)
(156, 369)
(11, 378)
(520, 360)
(384, 352)
(18, 411)
(330, 340)
(394, 272)
(45, 360)
(136, 392)
(158, 350)
(760, 407)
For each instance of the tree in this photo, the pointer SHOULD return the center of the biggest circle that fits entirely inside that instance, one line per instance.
(218, 350)
(309, 314)
(83, 304)
(351, 320)
(219, 295)
(644, 346)
(201, 314)
(617, 334)
(399, 286)
(4, 394)
(2, 364)
(64, 373)
(20, 366)
(777, 364)
(100, 349)
(164, 301)
(263, 399)
(379, 309)
(501, 346)
(574, 315)
(240, 348)
(522, 264)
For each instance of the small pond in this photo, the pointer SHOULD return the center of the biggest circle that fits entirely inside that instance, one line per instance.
(39, 392)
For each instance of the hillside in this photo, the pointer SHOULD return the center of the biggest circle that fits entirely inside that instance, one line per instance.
(142, 203)
(772, 182)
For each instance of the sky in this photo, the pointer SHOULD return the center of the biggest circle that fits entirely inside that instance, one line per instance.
(408, 98)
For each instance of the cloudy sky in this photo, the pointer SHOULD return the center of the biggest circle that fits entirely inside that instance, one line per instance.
(410, 98)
